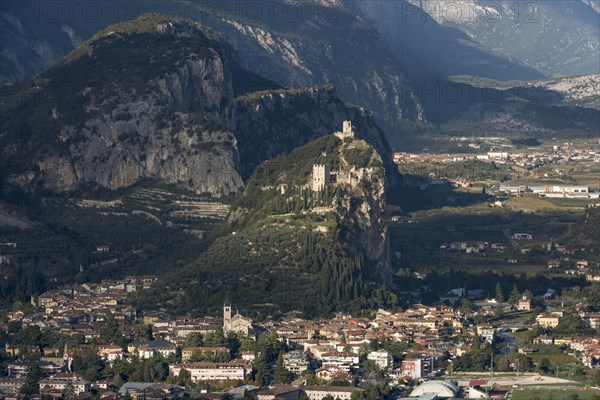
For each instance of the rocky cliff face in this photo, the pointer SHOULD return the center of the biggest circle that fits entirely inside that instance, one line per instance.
(149, 120)
(364, 210)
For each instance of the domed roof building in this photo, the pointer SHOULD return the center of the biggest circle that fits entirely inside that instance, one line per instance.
(442, 389)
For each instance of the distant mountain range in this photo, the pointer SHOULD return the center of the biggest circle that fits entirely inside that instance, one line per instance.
(518, 40)
(498, 40)
(374, 52)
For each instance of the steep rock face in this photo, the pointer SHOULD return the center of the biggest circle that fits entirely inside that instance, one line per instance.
(154, 99)
(326, 44)
(157, 115)
(364, 211)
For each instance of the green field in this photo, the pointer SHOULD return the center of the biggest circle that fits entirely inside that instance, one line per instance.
(554, 358)
(530, 204)
(554, 394)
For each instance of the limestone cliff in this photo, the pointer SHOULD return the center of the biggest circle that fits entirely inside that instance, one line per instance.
(141, 100)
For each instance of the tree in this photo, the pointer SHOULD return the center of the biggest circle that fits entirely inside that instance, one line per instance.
(358, 396)
(69, 392)
(34, 374)
(597, 378)
(465, 305)
(476, 343)
(215, 339)
(28, 389)
(233, 344)
(109, 332)
(118, 381)
(143, 331)
(544, 365)
(515, 295)
(89, 364)
(371, 369)
(262, 368)
(570, 324)
(499, 293)
(194, 339)
(182, 377)
(309, 377)
(281, 374)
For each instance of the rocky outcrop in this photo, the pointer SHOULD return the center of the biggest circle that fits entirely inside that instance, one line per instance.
(295, 247)
(364, 211)
(271, 123)
(169, 127)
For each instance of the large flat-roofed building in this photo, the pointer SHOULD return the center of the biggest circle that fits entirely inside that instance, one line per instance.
(337, 392)
(210, 371)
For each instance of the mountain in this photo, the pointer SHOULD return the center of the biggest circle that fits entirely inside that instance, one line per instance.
(144, 99)
(518, 110)
(477, 37)
(288, 245)
(576, 91)
(158, 99)
(139, 141)
(295, 44)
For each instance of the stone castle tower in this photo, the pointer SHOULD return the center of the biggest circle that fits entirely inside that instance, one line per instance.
(347, 131)
(321, 177)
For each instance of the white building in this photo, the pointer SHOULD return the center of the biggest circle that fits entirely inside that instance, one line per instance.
(486, 332)
(497, 155)
(295, 361)
(337, 392)
(209, 371)
(60, 381)
(512, 189)
(382, 358)
(150, 348)
(341, 360)
(443, 389)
